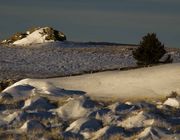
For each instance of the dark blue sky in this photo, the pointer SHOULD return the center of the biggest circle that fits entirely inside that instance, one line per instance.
(123, 21)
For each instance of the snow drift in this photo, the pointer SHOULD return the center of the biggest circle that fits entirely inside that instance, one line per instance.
(149, 82)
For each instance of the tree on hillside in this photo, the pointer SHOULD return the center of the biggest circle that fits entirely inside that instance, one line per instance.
(150, 50)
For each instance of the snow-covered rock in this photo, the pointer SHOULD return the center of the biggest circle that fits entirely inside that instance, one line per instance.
(139, 119)
(76, 108)
(173, 102)
(106, 116)
(84, 124)
(153, 133)
(36, 36)
(122, 108)
(37, 103)
(107, 131)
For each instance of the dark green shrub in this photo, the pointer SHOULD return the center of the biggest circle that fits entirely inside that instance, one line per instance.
(149, 51)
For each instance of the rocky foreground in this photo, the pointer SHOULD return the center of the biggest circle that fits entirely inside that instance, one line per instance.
(64, 114)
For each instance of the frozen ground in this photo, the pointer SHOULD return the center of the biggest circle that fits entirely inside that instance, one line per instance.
(69, 107)
(65, 58)
(41, 108)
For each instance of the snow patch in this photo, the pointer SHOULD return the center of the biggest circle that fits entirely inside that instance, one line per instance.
(173, 102)
(35, 37)
(152, 82)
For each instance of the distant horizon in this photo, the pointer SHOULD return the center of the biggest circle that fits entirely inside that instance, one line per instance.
(124, 22)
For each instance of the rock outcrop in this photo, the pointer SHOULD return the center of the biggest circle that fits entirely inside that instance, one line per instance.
(35, 36)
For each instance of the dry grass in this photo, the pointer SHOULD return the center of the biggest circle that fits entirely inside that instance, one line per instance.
(116, 137)
(6, 82)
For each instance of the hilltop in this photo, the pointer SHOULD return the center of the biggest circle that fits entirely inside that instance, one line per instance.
(35, 36)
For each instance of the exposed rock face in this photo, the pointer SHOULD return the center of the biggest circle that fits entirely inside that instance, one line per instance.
(35, 36)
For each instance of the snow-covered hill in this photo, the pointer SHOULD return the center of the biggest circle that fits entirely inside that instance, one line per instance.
(35, 36)
(151, 82)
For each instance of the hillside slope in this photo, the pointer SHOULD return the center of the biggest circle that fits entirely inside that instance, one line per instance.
(151, 82)
(65, 58)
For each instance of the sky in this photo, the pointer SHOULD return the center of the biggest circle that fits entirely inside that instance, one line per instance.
(120, 21)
